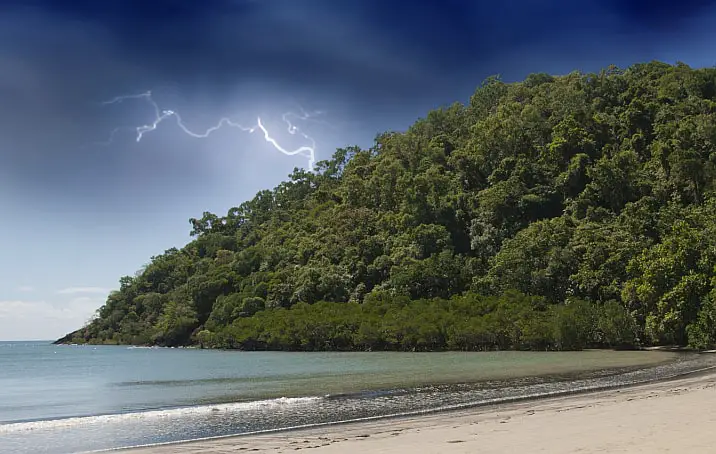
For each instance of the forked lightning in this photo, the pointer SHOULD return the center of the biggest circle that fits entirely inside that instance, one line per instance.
(309, 151)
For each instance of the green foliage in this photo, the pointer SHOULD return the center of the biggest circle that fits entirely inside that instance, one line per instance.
(467, 322)
(702, 332)
(557, 213)
(176, 323)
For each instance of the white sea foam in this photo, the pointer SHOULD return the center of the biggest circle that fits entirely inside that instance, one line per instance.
(198, 410)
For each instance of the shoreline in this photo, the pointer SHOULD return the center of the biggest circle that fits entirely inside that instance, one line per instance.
(185, 427)
(622, 419)
(254, 441)
(506, 378)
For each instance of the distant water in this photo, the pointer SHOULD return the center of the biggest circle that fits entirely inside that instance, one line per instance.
(64, 399)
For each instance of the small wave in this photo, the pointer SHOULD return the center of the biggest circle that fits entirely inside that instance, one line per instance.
(372, 393)
(187, 382)
(227, 380)
(154, 414)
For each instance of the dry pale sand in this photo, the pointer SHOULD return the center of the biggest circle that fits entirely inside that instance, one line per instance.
(675, 416)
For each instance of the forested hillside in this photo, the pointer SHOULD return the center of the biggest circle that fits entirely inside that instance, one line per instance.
(554, 213)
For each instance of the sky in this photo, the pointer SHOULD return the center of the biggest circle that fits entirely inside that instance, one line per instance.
(85, 203)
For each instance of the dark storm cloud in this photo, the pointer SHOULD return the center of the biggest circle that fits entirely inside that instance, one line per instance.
(383, 59)
(659, 15)
(366, 48)
(369, 47)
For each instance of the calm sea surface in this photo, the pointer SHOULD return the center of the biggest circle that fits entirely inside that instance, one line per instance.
(64, 399)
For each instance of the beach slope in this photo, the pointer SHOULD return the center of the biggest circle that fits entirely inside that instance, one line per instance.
(673, 416)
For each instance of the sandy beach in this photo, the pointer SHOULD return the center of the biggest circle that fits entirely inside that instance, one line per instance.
(673, 416)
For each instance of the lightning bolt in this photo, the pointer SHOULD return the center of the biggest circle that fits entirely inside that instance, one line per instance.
(308, 151)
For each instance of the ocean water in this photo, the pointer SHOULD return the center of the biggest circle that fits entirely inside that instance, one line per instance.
(67, 399)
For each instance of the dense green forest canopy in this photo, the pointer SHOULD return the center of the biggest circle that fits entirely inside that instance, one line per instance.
(554, 213)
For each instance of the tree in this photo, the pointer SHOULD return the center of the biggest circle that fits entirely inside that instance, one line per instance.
(553, 213)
